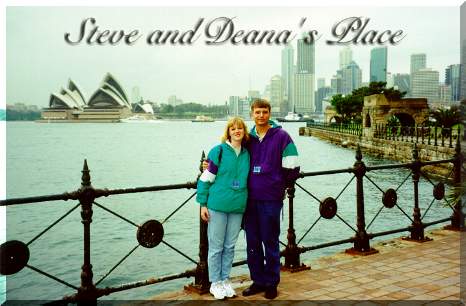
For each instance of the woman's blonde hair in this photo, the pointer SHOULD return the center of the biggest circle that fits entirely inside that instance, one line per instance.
(239, 122)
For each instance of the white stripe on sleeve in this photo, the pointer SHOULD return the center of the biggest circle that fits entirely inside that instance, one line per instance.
(290, 162)
(207, 176)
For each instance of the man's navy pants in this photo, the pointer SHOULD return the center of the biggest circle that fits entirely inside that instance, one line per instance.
(262, 226)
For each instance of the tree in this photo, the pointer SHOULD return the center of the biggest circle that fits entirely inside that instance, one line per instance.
(446, 118)
(350, 106)
(166, 108)
(392, 124)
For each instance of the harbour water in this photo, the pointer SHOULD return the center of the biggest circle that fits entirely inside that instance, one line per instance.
(48, 158)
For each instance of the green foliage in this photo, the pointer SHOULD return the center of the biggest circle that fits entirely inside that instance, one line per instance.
(350, 106)
(456, 193)
(166, 108)
(447, 117)
(14, 115)
(2, 115)
(393, 121)
(191, 109)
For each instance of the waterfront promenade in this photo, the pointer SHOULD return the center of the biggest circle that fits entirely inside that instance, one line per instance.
(402, 270)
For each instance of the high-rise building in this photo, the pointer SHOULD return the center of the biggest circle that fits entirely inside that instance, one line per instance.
(452, 78)
(351, 78)
(174, 101)
(266, 94)
(276, 95)
(401, 81)
(254, 94)
(135, 95)
(288, 73)
(336, 83)
(304, 93)
(418, 61)
(425, 84)
(305, 57)
(304, 78)
(378, 66)
(239, 106)
(320, 83)
(445, 93)
(321, 94)
(390, 80)
(233, 105)
(346, 56)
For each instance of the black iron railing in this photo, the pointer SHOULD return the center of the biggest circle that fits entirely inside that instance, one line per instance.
(345, 128)
(15, 254)
(431, 135)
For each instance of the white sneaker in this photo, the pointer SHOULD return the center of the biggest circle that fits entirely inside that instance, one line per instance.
(217, 290)
(229, 291)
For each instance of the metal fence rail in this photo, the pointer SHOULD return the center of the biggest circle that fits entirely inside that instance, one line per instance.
(15, 254)
(424, 134)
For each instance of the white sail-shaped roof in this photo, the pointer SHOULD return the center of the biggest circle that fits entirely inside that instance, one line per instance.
(114, 90)
(64, 100)
(144, 108)
(77, 94)
(67, 98)
(110, 79)
(105, 98)
(110, 94)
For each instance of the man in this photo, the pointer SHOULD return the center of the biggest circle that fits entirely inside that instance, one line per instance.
(274, 167)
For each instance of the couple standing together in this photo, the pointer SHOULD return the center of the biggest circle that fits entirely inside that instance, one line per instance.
(247, 174)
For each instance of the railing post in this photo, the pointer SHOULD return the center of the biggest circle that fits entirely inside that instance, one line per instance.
(428, 139)
(451, 138)
(457, 218)
(292, 253)
(87, 294)
(417, 228)
(443, 136)
(201, 277)
(435, 134)
(361, 243)
(422, 133)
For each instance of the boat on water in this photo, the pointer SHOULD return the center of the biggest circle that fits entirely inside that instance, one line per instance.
(203, 118)
(293, 117)
(138, 119)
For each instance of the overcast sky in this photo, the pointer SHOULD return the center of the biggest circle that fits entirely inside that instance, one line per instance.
(39, 61)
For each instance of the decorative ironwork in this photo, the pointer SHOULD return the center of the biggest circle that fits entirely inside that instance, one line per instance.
(150, 234)
(411, 134)
(439, 191)
(14, 256)
(389, 198)
(292, 252)
(328, 208)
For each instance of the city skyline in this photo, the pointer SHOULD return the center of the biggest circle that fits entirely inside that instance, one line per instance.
(199, 73)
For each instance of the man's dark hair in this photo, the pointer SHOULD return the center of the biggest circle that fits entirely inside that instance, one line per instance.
(260, 103)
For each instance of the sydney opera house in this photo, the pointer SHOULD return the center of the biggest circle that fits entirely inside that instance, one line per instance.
(109, 103)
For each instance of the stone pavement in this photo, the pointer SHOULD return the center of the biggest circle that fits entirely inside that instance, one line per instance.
(402, 270)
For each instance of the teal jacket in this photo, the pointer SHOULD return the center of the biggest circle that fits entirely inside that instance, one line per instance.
(223, 186)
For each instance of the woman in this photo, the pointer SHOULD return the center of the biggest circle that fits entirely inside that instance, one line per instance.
(222, 194)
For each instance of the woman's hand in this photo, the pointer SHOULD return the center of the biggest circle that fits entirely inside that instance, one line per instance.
(204, 214)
